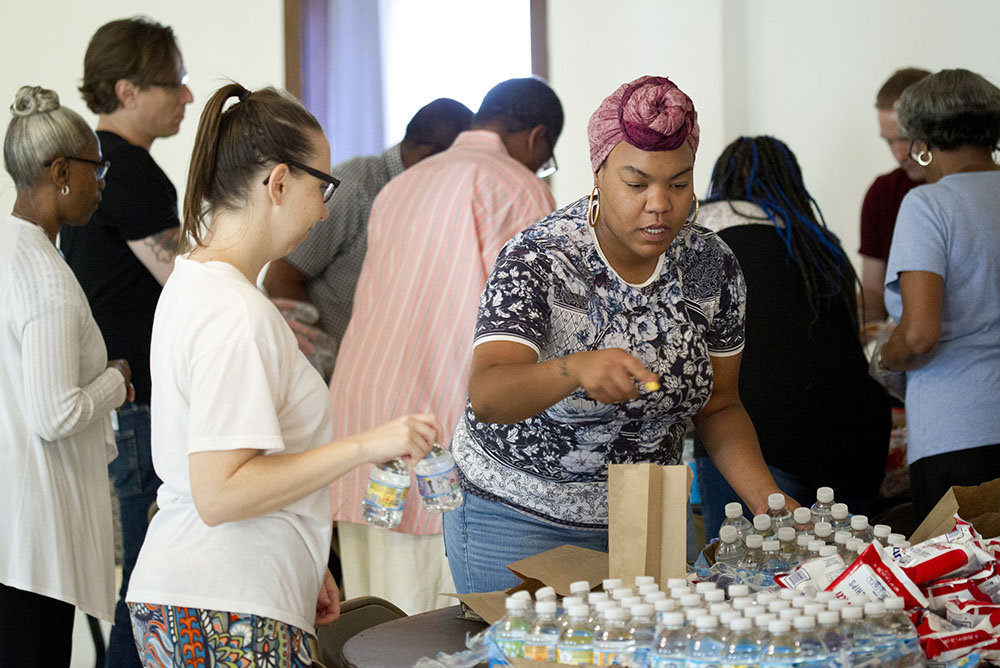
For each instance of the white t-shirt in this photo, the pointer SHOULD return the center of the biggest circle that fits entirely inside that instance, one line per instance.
(227, 374)
(55, 436)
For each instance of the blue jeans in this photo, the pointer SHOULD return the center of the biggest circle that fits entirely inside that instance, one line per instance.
(482, 537)
(135, 484)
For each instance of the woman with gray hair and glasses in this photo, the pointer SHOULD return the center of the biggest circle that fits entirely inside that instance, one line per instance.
(943, 285)
(57, 389)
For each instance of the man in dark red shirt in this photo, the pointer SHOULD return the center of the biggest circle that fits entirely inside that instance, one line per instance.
(881, 204)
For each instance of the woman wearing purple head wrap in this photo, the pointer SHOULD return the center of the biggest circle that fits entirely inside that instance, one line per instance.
(602, 329)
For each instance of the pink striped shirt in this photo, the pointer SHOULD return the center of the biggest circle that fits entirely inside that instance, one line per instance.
(433, 236)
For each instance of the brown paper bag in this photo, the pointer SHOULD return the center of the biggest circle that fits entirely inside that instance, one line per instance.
(647, 520)
(979, 505)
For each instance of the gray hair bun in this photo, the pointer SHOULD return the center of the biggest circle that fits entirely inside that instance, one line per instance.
(34, 100)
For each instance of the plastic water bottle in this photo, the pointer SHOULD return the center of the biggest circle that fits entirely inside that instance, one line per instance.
(671, 646)
(546, 594)
(761, 624)
(881, 533)
(541, 639)
(705, 647)
(833, 638)
(812, 651)
(510, 631)
(772, 561)
(883, 636)
(752, 559)
(840, 539)
(778, 511)
(840, 517)
(741, 649)
(613, 643)
(595, 597)
(787, 547)
(576, 642)
(385, 497)
(597, 614)
(610, 584)
(643, 630)
(859, 641)
(822, 509)
(762, 526)
(731, 549)
(802, 521)
(823, 531)
(907, 641)
(860, 528)
(738, 591)
(567, 603)
(735, 518)
(643, 580)
(579, 588)
(662, 608)
(780, 649)
(437, 481)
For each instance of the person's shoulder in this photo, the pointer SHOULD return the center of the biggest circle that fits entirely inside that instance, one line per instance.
(37, 269)
(216, 293)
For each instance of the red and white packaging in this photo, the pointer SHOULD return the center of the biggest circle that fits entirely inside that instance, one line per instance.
(930, 561)
(963, 532)
(873, 575)
(970, 614)
(951, 645)
(812, 576)
(941, 592)
(992, 546)
(928, 623)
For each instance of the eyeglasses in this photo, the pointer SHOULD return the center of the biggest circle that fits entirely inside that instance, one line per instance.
(173, 85)
(329, 183)
(548, 168)
(100, 168)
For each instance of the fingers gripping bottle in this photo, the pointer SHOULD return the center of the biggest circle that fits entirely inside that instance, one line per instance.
(385, 498)
(437, 480)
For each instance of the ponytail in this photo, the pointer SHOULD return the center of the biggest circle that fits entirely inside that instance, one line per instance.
(234, 144)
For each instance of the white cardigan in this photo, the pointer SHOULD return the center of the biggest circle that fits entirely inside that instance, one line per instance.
(55, 435)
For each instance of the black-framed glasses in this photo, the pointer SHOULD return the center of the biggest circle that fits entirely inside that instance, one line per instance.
(548, 168)
(330, 183)
(100, 167)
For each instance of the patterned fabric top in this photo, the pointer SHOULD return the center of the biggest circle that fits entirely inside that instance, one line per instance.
(553, 290)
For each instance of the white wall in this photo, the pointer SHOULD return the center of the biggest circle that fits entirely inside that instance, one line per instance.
(42, 42)
(805, 72)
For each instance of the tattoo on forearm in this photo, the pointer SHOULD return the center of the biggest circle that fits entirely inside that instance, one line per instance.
(164, 244)
(563, 371)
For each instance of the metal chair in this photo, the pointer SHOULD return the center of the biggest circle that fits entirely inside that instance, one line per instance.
(356, 615)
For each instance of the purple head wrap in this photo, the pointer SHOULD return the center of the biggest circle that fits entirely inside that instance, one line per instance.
(650, 113)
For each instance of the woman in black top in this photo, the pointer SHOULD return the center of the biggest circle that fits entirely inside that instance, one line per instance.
(820, 418)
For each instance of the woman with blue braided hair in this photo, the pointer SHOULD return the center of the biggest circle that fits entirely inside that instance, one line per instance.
(819, 417)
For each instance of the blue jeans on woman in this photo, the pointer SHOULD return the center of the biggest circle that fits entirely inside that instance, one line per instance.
(135, 485)
(481, 537)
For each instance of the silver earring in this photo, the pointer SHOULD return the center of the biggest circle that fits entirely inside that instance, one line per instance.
(64, 190)
(921, 160)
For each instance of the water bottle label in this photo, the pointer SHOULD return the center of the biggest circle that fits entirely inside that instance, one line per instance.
(642, 656)
(386, 496)
(739, 665)
(658, 661)
(540, 652)
(608, 658)
(692, 662)
(438, 484)
(575, 657)
(511, 647)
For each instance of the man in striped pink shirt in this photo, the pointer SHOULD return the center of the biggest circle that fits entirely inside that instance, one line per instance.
(433, 236)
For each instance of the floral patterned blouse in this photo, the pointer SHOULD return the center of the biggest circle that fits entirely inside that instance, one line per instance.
(553, 290)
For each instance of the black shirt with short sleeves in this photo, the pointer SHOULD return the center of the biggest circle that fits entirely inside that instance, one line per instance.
(138, 201)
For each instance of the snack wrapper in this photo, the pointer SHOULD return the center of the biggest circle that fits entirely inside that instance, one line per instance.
(874, 575)
(970, 614)
(930, 561)
(956, 589)
(812, 576)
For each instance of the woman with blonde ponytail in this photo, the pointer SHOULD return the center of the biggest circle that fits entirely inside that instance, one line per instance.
(234, 562)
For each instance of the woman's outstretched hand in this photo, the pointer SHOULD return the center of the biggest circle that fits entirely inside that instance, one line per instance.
(610, 376)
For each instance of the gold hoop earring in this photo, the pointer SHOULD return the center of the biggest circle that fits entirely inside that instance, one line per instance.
(921, 160)
(594, 206)
(688, 223)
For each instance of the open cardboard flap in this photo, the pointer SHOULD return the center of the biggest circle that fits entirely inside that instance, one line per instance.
(979, 505)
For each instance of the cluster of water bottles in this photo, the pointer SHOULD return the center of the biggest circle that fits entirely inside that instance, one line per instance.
(699, 626)
(389, 484)
(778, 540)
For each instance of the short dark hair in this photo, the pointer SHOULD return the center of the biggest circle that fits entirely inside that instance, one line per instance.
(896, 84)
(521, 104)
(951, 108)
(137, 49)
(438, 123)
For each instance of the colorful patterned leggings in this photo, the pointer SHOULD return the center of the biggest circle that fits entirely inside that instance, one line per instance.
(169, 636)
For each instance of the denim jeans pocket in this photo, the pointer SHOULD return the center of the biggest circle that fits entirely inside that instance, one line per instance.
(125, 467)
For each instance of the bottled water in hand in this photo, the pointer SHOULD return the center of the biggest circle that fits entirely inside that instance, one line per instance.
(437, 480)
(385, 497)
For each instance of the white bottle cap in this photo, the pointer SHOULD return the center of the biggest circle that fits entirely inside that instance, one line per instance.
(703, 587)
(882, 531)
(815, 545)
(603, 606)
(800, 602)
(852, 612)
(754, 611)
(895, 538)
(837, 604)
(874, 609)
(518, 603)
(761, 522)
(545, 607)
(694, 613)
(813, 609)
(765, 598)
(859, 522)
(736, 590)
(805, 623)
(610, 584)
(706, 623)
(578, 611)
(654, 596)
(853, 544)
(894, 603)
(644, 580)
(727, 618)
(733, 510)
(842, 537)
(641, 610)
(673, 619)
(579, 587)
(822, 529)
(776, 501)
(771, 546)
(824, 494)
(570, 601)
(778, 606)
(595, 597)
(789, 615)
(839, 511)
(828, 617)
(741, 625)
(621, 592)
(522, 595)
(825, 596)
(544, 592)
(741, 603)
(763, 621)
(629, 601)
(755, 541)
(690, 601)
(615, 614)
(716, 609)
(828, 550)
(902, 543)
(803, 540)
(647, 589)
(666, 605)
(802, 515)
(714, 596)
(787, 594)
(679, 592)
(729, 534)
(786, 534)
(778, 626)
(674, 583)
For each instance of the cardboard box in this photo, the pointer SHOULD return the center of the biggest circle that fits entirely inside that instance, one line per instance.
(979, 505)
